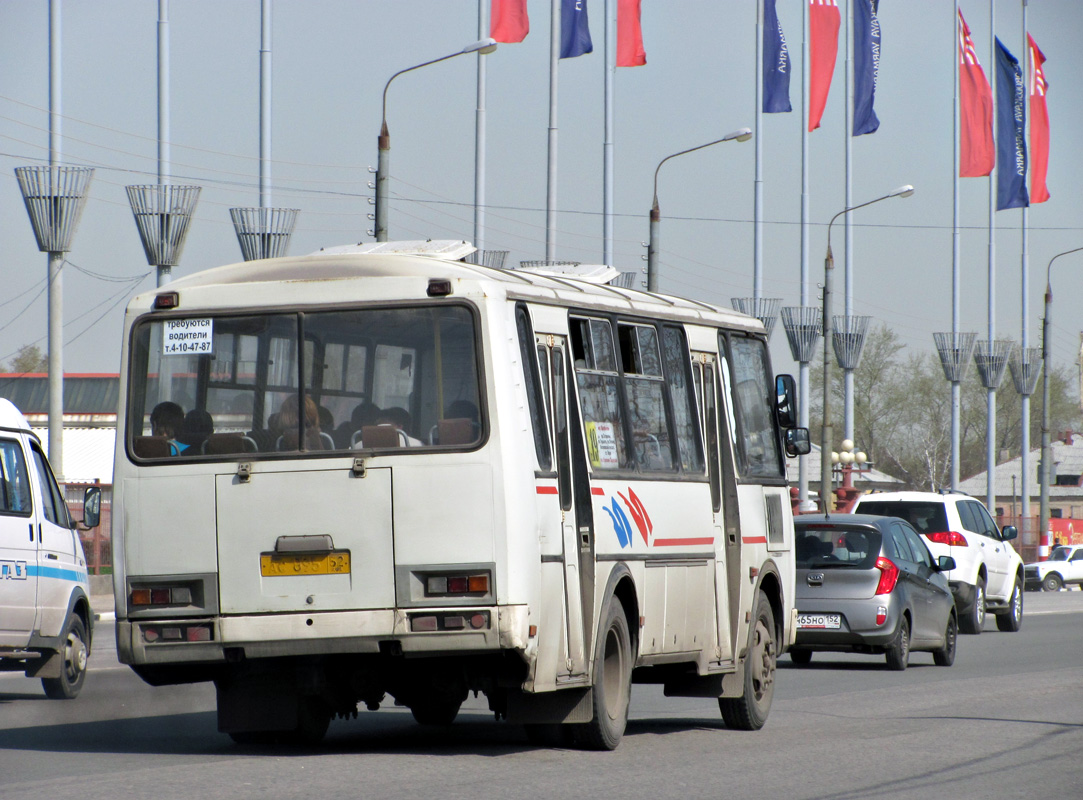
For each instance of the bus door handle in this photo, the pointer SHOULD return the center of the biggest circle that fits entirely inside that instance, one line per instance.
(584, 536)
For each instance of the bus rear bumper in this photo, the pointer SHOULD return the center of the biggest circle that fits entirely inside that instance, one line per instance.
(417, 632)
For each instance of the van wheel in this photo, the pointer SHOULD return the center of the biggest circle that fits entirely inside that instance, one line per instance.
(74, 654)
(612, 687)
(974, 618)
(1012, 619)
(749, 711)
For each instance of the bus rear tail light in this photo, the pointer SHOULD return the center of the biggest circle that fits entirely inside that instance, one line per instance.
(198, 632)
(952, 538)
(448, 621)
(451, 585)
(162, 596)
(889, 576)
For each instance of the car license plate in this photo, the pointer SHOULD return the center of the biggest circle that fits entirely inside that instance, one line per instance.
(823, 621)
(287, 564)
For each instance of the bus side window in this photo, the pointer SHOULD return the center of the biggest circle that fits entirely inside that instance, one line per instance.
(710, 411)
(560, 427)
(533, 389)
(644, 390)
(599, 392)
(758, 451)
(681, 397)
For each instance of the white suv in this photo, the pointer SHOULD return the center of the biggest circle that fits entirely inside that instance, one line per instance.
(988, 574)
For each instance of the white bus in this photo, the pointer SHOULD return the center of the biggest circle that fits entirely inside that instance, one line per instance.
(381, 470)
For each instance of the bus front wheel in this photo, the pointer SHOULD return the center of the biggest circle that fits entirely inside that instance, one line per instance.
(749, 711)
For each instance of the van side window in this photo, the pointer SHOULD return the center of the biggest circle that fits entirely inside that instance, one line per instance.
(14, 480)
(52, 500)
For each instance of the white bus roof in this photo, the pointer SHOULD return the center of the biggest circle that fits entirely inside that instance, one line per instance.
(320, 277)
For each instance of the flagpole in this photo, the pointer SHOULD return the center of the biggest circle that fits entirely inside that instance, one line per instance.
(804, 372)
(1024, 400)
(757, 224)
(551, 174)
(607, 146)
(848, 279)
(991, 395)
(479, 135)
(956, 248)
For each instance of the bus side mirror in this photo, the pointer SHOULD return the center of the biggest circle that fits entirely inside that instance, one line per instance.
(786, 401)
(92, 507)
(797, 442)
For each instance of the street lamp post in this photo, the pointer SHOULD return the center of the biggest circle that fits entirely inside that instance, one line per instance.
(740, 135)
(483, 46)
(827, 433)
(1044, 464)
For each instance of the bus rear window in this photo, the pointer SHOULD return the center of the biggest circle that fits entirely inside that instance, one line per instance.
(223, 386)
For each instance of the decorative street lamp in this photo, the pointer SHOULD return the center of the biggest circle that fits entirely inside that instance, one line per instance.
(827, 434)
(482, 46)
(1046, 462)
(741, 135)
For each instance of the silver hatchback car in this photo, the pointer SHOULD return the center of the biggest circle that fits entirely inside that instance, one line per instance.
(868, 584)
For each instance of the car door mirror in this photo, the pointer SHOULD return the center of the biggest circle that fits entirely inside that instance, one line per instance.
(92, 507)
(1009, 532)
(786, 401)
(945, 563)
(797, 442)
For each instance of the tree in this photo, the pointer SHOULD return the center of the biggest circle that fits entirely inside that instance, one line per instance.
(28, 359)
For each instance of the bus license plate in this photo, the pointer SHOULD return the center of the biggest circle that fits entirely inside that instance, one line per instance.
(287, 564)
(822, 621)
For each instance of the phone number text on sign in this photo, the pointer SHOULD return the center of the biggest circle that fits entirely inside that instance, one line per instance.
(187, 337)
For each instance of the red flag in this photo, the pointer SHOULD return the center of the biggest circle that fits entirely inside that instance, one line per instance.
(508, 22)
(630, 52)
(977, 154)
(823, 23)
(1039, 125)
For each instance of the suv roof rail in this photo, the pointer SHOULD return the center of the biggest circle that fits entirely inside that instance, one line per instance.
(952, 491)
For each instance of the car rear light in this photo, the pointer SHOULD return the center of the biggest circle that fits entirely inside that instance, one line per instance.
(881, 615)
(952, 538)
(889, 575)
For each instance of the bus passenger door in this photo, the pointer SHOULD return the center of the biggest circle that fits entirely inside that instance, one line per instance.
(718, 424)
(576, 529)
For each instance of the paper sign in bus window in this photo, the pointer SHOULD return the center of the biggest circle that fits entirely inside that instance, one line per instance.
(602, 445)
(183, 337)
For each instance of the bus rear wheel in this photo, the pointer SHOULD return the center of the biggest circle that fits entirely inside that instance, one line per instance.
(749, 711)
(612, 687)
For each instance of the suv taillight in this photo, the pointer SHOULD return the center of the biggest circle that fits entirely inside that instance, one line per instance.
(889, 575)
(951, 538)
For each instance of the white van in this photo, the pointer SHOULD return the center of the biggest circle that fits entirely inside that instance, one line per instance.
(45, 617)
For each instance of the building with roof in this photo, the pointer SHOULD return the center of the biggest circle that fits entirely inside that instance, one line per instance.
(865, 479)
(90, 419)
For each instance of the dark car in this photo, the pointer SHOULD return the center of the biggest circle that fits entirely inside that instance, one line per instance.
(868, 584)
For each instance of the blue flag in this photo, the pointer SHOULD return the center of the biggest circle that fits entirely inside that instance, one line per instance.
(1011, 116)
(866, 65)
(776, 63)
(574, 32)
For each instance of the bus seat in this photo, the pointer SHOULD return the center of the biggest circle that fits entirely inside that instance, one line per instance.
(150, 446)
(459, 430)
(328, 440)
(218, 444)
(381, 436)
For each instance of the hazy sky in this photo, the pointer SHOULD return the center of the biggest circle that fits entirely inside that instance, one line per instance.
(331, 59)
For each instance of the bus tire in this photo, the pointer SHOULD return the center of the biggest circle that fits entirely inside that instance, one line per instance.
(612, 686)
(749, 711)
(73, 657)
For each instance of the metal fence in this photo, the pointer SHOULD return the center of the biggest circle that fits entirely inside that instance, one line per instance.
(97, 542)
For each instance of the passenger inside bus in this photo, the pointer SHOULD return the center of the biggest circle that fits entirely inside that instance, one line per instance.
(399, 418)
(198, 425)
(166, 421)
(364, 413)
(288, 419)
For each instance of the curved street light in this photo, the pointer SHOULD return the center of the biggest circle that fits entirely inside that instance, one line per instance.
(1044, 464)
(483, 46)
(740, 135)
(827, 431)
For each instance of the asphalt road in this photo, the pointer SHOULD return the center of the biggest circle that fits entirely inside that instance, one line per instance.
(1005, 721)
